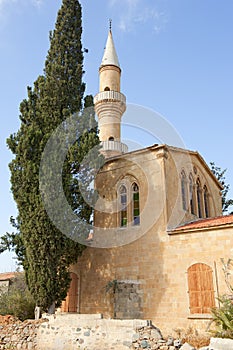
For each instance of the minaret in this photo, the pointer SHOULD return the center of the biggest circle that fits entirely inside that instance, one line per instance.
(110, 103)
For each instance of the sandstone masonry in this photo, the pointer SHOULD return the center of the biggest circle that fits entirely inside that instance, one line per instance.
(92, 332)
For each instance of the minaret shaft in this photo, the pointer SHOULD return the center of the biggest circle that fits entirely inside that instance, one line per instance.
(110, 78)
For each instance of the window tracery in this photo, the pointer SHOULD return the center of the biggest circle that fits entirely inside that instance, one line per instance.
(191, 197)
(206, 201)
(199, 198)
(129, 202)
(123, 206)
(195, 197)
(184, 190)
(136, 204)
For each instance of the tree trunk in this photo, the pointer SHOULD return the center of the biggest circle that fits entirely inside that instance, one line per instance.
(51, 309)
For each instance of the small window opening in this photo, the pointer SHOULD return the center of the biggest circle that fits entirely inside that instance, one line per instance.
(184, 190)
(123, 199)
(107, 89)
(136, 207)
(206, 202)
(191, 202)
(199, 197)
(111, 138)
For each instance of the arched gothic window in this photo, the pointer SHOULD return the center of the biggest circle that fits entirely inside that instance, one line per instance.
(136, 204)
(199, 198)
(184, 190)
(191, 199)
(206, 202)
(123, 206)
(129, 203)
(201, 289)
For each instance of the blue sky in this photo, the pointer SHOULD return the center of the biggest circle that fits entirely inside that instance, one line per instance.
(176, 58)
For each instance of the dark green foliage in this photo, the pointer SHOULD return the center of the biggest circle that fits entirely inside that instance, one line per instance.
(13, 242)
(112, 286)
(220, 175)
(17, 301)
(43, 250)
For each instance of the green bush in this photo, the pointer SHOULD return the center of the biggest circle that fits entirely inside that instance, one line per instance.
(17, 301)
(223, 318)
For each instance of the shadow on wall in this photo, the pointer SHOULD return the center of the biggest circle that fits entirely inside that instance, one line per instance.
(121, 272)
(125, 282)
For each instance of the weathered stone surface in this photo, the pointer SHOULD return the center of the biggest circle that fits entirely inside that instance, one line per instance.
(221, 344)
(177, 343)
(170, 341)
(144, 344)
(18, 335)
(186, 346)
(156, 333)
(88, 333)
(135, 337)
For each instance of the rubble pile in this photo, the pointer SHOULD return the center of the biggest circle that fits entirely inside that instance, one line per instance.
(151, 338)
(15, 334)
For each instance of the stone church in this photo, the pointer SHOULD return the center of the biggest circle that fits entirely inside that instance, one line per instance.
(159, 232)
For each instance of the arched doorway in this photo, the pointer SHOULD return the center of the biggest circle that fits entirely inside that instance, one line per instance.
(70, 304)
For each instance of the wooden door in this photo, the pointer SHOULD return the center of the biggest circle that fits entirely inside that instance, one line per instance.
(70, 304)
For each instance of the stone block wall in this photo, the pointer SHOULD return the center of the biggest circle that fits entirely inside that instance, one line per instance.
(86, 332)
(19, 335)
(128, 300)
(92, 332)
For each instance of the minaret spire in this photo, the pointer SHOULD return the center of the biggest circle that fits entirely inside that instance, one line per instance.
(110, 55)
(110, 103)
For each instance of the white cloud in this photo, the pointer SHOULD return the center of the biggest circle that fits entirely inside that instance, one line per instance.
(131, 12)
(130, 3)
(37, 3)
(6, 5)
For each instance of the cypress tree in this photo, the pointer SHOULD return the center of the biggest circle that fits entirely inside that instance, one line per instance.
(44, 251)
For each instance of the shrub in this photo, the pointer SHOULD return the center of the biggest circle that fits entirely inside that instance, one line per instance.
(193, 337)
(17, 301)
(223, 318)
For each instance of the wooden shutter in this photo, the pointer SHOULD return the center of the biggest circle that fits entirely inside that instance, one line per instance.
(201, 289)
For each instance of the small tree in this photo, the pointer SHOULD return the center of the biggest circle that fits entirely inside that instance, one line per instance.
(220, 175)
(44, 251)
(17, 301)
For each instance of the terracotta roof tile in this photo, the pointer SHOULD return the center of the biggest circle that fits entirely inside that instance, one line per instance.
(7, 275)
(205, 223)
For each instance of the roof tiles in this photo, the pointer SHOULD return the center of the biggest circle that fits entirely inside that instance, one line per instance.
(206, 223)
(7, 276)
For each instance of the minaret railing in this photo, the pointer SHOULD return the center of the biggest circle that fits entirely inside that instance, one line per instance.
(114, 146)
(109, 96)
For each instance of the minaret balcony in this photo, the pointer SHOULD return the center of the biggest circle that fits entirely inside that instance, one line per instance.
(110, 96)
(115, 146)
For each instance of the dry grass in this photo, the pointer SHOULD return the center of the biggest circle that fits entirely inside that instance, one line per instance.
(193, 337)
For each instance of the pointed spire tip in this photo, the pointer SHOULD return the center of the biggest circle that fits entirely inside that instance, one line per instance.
(110, 55)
